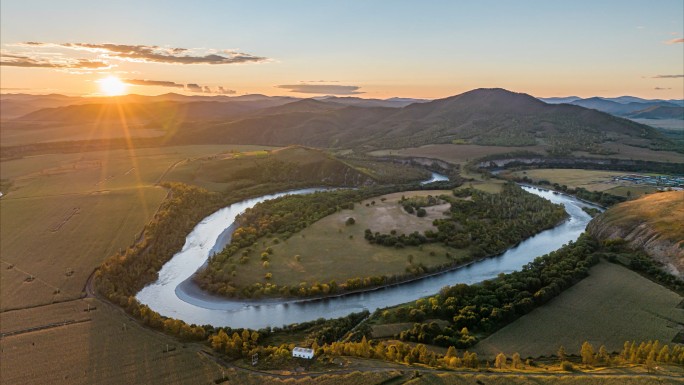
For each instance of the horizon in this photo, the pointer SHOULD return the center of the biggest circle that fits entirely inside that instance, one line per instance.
(427, 51)
(324, 96)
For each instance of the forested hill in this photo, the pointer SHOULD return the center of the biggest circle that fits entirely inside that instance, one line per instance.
(482, 116)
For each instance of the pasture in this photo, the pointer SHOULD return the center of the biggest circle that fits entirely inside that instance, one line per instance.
(610, 306)
(332, 250)
(592, 180)
(452, 153)
(104, 347)
(461, 154)
(63, 214)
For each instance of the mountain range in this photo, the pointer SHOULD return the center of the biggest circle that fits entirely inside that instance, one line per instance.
(628, 106)
(481, 116)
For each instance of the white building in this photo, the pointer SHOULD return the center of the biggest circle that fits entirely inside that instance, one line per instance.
(303, 353)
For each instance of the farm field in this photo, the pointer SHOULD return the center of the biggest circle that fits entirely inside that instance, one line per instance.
(106, 348)
(63, 214)
(13, 133)
(331, 250)
(610, 306)
(452, 153)
(461, 154)
(592, 180)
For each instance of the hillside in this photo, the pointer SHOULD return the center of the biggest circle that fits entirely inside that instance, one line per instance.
(659, 112)
(482, 116)
(294, 164)
(138, 112)
(652, 223)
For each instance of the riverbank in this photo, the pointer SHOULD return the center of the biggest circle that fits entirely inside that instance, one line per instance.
(162, 298)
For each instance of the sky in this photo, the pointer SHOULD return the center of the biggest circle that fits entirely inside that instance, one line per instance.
(370, 49)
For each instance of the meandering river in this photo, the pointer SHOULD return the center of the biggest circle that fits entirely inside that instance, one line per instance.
(175, 295)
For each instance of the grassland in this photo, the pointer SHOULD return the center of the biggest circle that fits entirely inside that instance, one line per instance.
(610, 306)
(462, 154)
(662, 212)
(63, 214)
(457, 154)
(331, 250)
(234, 170)
(592, 180)
(106, 347)
(17, 133)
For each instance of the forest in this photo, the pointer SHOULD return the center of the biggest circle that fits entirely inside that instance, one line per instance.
(483, 223)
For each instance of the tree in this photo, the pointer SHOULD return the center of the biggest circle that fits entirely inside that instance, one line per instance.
(650, 362)
(587, 353)
(603, 355)
(350, 221)
(664, 354)
(500, 362)
(516, 362)
(562, 355)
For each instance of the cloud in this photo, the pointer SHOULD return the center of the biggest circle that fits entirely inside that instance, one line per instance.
(661, 88)
(18, 60)
(327, 89)
(158, 83)
(156, 54)
(193, 87)
(224, 91)
(675, 41)
(668, 76)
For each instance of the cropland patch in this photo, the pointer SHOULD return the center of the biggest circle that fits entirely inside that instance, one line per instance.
(610, 306)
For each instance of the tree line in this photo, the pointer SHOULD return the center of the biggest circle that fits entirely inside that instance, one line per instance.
(483, 223)
(481, 309)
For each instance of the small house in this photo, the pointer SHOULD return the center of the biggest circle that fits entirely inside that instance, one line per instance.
(303, 353)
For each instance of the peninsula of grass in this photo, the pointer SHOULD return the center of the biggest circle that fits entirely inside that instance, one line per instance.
(378, 241)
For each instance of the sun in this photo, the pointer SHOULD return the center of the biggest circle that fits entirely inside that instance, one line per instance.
(112, 86)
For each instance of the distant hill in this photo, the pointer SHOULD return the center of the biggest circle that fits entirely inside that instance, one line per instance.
(362, 102)
(559, 100)
(156, 112)
(290, 164)
(619, 109)
(659, 112)
(482, 116)
(652, 222)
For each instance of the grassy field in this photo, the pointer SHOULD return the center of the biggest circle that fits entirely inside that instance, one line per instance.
(663, 212)
(610, 306)
(331, 250)
(105, 348)
(463, 153)
(14, 133)
(63, 214)
(592, 180)
(452, 153)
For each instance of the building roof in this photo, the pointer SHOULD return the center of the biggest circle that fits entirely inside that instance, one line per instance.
(302, 350)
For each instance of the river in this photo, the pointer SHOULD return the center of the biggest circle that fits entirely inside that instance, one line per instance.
(175, 295)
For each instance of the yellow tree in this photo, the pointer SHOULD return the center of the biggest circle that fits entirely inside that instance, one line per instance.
(587, 353)
(500, 361)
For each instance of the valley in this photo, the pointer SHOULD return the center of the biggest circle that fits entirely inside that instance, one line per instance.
(111, 213)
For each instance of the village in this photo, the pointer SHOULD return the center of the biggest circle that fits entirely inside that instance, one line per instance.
(664, 181)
